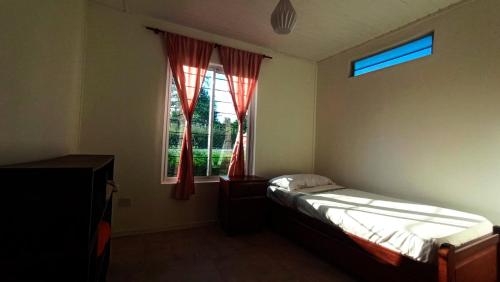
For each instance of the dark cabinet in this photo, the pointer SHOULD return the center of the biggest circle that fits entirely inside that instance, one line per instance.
(242, 203)
(56, 217)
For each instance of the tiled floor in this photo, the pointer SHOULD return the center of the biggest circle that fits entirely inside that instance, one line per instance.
(207, 254)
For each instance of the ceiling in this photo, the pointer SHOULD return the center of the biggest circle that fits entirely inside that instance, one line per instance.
(324, 27)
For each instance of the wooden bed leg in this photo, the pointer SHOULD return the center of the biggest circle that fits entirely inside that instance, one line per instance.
(446, 263)
(496, 230)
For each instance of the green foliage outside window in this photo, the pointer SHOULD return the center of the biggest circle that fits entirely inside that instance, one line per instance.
(221, 152)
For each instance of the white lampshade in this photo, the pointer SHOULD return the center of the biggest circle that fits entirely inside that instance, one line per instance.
(283, 17)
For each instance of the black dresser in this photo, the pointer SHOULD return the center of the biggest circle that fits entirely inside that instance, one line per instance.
(56, 219)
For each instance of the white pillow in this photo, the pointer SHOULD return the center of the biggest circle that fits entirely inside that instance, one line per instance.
(300, 181)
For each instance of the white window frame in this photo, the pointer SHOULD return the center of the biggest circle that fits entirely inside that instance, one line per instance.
(249, 162)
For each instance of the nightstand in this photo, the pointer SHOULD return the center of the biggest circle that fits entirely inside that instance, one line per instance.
(242, 203)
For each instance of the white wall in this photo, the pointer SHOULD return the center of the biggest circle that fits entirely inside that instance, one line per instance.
(124, 94)
(427, 130)
(41, 47)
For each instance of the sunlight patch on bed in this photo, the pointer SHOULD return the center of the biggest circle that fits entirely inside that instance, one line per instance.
(350, 199)
(328, 204)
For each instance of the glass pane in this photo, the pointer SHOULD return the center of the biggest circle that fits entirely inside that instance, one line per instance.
(407, 52)
(225, 127)
(396, 61)
(200, 125)
(175, 130)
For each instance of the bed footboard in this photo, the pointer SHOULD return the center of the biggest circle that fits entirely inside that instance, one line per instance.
(475, 261)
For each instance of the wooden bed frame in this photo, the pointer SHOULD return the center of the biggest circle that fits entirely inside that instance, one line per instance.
(477, 260)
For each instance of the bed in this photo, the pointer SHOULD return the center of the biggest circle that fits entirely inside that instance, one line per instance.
(380, 238)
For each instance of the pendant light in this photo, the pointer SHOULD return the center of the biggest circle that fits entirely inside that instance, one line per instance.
(283, 17)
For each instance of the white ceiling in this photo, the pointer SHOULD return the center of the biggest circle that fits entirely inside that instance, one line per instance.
(324, 27)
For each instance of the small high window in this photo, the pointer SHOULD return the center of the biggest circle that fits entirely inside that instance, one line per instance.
(406, 52)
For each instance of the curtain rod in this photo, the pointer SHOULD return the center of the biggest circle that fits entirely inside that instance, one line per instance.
(157, 30)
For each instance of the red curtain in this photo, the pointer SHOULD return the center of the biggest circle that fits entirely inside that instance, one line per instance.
(103, 236)
(242, 71)
(189, 59)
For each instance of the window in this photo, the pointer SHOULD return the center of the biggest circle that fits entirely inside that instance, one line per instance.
(406, 52)
(214, 128)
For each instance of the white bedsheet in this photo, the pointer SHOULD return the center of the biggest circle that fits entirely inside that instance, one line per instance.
(414, 230)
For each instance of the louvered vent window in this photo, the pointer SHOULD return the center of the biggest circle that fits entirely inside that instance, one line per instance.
(406, 52)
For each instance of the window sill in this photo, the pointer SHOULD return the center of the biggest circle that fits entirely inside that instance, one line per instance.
(197, 180)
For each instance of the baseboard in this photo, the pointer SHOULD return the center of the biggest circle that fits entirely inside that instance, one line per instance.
(162, 229)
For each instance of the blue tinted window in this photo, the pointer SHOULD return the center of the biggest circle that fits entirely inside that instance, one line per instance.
(412, 50)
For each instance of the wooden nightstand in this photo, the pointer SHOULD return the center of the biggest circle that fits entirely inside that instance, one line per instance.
(242, 203)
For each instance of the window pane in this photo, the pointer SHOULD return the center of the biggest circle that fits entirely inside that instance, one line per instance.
(175, 130)
(200, 124)
(396, 61)
(199, 127)
(407, 52)
(225, 127)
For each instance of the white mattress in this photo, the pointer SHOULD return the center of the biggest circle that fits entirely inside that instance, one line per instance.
(414, 230)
